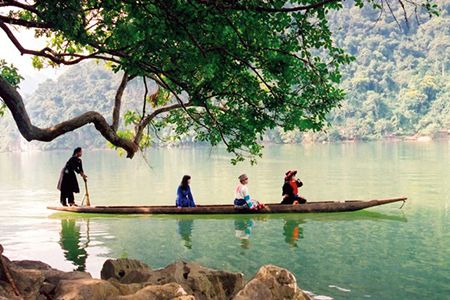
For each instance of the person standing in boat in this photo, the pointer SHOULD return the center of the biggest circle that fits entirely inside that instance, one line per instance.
(242, 198)
(184, 195)
(68, 183)
(290, 189)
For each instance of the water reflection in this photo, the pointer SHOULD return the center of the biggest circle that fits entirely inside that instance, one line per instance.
(70, 241)
(242, 230)
(185, 231)
(292, 232)
(236, 232)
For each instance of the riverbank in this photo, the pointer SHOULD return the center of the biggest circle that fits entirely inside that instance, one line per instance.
(308, 138)
(132, 279)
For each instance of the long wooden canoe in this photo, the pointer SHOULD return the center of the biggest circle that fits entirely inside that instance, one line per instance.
(310, 207)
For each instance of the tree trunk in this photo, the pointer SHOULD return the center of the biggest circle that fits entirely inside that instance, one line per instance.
(15, 104)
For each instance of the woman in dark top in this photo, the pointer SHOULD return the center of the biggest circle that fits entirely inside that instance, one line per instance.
(184, 195)
(290, 189)
(68, 183)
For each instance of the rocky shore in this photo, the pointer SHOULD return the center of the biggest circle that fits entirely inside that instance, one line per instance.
(132, 279)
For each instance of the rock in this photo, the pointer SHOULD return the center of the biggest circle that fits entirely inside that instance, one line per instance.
(272, 283)
(199, 281)
(31, 264)
(160, 292)
(85, 289)
(54, 276)
(125, 270)
(6, 263)
(126, 289)
(6, 289)
(28, 281)
(7, 293)
(47, 289)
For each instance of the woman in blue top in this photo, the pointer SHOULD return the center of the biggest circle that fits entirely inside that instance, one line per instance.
(184, 195)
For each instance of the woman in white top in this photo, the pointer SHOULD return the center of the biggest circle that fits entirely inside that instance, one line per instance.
(242, 198)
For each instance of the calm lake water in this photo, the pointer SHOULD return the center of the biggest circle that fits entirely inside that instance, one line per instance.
(379, 253)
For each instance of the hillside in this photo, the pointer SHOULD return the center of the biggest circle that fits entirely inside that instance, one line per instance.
(399, 85)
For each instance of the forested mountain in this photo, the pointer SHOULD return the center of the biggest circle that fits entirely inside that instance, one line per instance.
(400, 81)
(399, 84)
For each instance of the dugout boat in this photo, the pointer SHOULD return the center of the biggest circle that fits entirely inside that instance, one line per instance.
(310, 207)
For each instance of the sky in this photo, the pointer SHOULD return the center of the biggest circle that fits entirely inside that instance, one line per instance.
(32, 77)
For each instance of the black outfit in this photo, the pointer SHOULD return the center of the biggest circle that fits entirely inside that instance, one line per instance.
(69, 183)
(289, 191)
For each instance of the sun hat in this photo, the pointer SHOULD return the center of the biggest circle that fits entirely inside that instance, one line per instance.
(289, 174)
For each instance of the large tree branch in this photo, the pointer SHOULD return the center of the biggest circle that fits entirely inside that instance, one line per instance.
(15, 104)
(6, 3)
(263, 9)
(145, 96)
(28, 24)
(118, 102)
(255, 71)
(166, 85)
(145, 121)
(57, 58)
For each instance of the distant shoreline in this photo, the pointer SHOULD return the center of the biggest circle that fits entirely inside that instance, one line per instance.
(395, 139)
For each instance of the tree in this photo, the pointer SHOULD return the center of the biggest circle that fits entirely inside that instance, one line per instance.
(228, 69)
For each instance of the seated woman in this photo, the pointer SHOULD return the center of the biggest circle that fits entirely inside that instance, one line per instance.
(242, 199)
(290, 189)
(184, 195)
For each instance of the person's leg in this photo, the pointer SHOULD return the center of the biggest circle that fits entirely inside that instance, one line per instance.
(71, 198)
(301, 200)
(287, 200)
(62, 199)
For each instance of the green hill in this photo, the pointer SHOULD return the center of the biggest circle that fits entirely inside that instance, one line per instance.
(399, 84)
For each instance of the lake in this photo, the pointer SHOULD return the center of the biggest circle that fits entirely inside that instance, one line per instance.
(379, 253)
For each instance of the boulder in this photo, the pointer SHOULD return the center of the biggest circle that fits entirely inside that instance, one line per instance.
(54, 276)
(28, 281)
(7, 293)
(271, 283)
(160, 292)
(126, 289)
(85, 289)
(203, 283)
(125, 270)
(5, 263)
(31, 264)
(47, 289)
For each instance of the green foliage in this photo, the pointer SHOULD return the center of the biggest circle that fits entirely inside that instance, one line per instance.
(37, 62)
(2, 109)
(249, 76)
(10, 73)
(129, 134)
(244, 71)
(161, 98)
(131, 117)
(397, 86)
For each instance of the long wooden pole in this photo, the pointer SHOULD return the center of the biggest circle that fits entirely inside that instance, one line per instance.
(88, 201)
